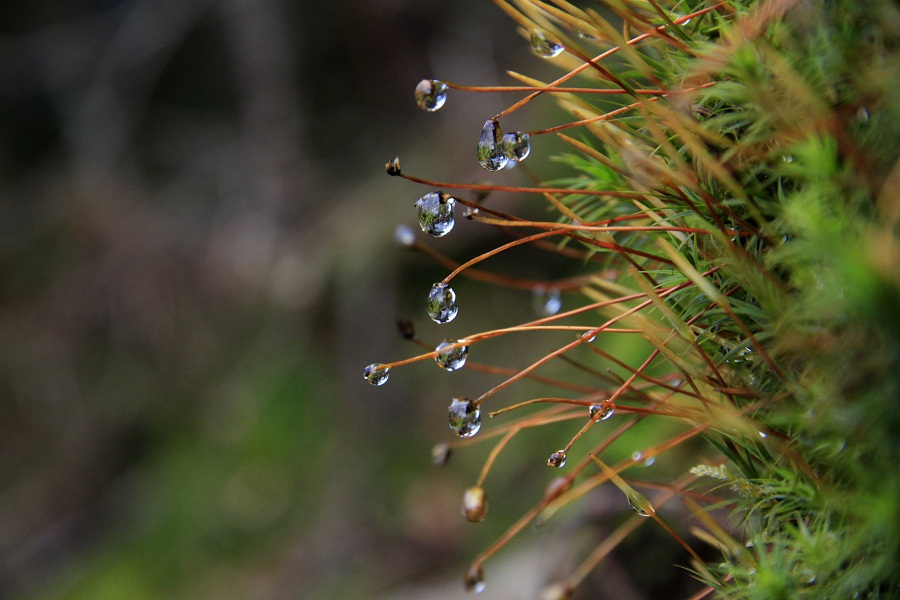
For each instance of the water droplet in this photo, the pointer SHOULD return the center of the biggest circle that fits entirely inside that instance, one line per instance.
(556, 591)
(490, 147)
(601, 412)
(471, 212)
(377, 373)
(404, 236)
(547, 302)
(640, 505)
(557, 459)
(441, 305)
(544, 46)
(475, 579)
(787, 158)
(516, 145)
(763, 434)
(862, 114)
(475, 504)
(436, 213)
(393, 167)
(431, 94)
(451, 359)
(440, 454)
(465, 417)
(637, 456)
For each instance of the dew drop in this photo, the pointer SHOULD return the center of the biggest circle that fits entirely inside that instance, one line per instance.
(516, 145)
(465, 417)
(639, 504)
(490, 147)
(440, 454)
(451, 359)
(393, 167)
(475, 504)
(377, 373)
(787, 158)
(544, 46)
(404, 236)
(441, 305)
(436, 213)
(601, 412)
(547, 302)
(431, 94)
(557, 459)
(475, 578)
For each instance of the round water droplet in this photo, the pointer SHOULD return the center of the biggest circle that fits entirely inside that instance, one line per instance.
(557, 487)
(465, 417)
(436, 213)
(377, 373)
(544, 46)
(431, 94)
(441, 305)
(393, 167)
(475, 504)
(404, 236)
(440, 454)
(490, 147)
(475, 578)
(516, 145)
(451, 359)
(787, 158)
(557, 459)
(547, 302)
(602, 412)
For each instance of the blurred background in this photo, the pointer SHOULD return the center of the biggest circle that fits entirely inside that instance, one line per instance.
(196, 263)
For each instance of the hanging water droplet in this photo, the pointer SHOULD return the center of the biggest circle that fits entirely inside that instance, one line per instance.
(451, 359)
(547, 301)
(475, 578)
(431, 94)
(490, 147)
(601, 412)
(557, 459)
(640, 505)
(544, 46)
(404, 236)
(436, 213)
(465, 417)
(440, 454)
(441, 304)
(377, 373)
(475, 504)
(393, 167)
(516, 145)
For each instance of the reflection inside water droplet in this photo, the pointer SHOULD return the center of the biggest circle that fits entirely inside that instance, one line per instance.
(601, 412)
(377, 373)
(451, 359)
(435, 210)
(490, 147)
(640, 505)
(516, 145)
(441, 305)
(431, 94)
(544, 46)
(557, 459)
(465, 417)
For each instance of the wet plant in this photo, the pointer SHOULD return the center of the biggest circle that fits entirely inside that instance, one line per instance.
(733, 206)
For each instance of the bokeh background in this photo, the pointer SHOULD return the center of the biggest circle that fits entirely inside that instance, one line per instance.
(196, 263)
